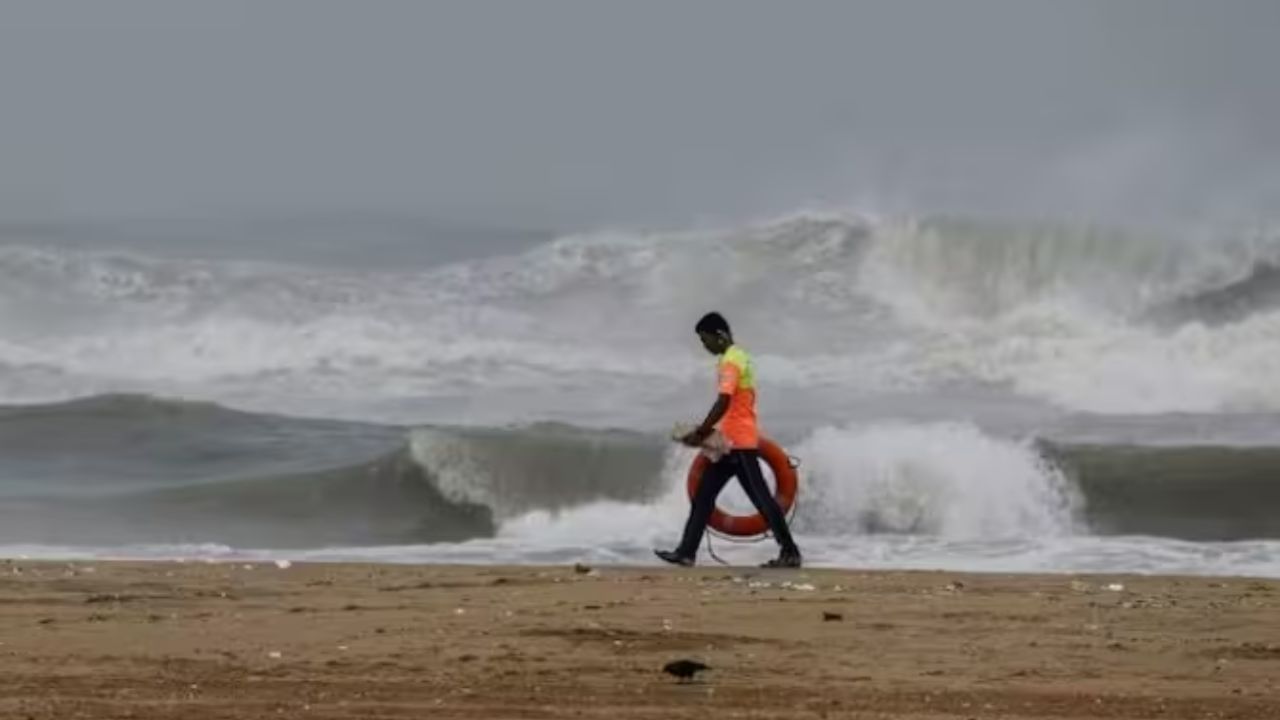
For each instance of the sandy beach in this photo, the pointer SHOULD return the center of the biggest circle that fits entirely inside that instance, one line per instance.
(198, 640)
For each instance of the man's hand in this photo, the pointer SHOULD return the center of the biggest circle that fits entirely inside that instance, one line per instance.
(699, 436)
(696, 438)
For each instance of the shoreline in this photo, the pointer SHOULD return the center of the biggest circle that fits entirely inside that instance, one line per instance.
(105, 639)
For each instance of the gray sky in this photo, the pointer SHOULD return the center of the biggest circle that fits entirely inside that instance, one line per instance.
(570, 114)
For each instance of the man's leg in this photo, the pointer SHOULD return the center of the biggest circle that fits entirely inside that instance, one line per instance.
(747, 468)
(704, 502)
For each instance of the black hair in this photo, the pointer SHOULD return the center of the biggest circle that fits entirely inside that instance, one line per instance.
(712, 322)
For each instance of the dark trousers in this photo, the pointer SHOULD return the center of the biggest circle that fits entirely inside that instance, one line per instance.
(745, 465)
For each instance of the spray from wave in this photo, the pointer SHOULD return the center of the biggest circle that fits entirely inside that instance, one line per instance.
(946, 480)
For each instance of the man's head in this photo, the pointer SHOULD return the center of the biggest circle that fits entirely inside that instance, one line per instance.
(713, 331)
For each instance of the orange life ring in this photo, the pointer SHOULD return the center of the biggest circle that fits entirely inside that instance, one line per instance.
(749, 525)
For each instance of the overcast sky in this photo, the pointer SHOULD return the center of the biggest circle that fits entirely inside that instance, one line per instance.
(571, 114)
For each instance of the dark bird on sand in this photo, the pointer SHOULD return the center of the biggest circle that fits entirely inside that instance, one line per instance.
(684, 669)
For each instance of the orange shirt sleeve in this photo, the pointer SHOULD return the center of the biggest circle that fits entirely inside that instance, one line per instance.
(729, 374)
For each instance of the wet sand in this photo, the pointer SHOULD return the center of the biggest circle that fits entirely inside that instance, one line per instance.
(197, 640)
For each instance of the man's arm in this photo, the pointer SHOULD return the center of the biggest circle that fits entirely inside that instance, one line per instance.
(721, 406)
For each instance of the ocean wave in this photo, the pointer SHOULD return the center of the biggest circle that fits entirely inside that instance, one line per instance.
(129, 469)
(1071, 316)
